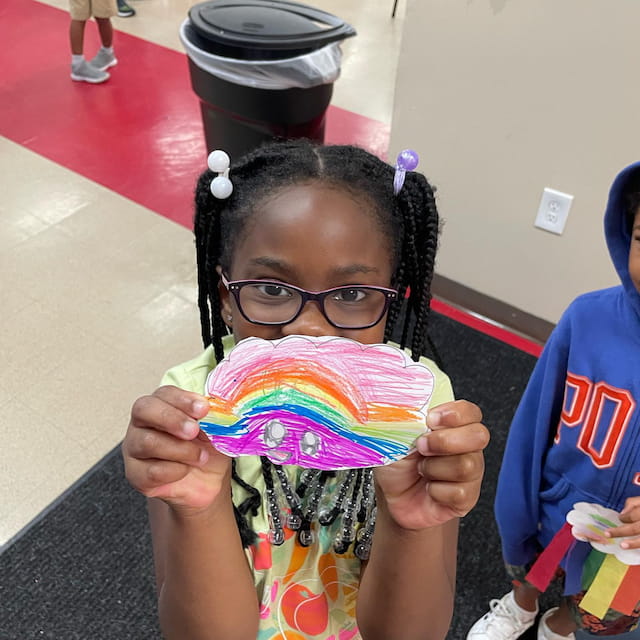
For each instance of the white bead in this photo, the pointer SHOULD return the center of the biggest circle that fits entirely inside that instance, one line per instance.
(218, 161)
(221, 187)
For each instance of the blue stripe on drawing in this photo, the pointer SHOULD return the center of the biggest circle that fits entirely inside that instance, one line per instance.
(242, 426)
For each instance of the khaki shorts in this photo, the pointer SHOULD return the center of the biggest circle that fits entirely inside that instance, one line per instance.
(84, 9)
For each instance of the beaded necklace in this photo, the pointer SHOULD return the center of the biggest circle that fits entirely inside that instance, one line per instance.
(351, 504)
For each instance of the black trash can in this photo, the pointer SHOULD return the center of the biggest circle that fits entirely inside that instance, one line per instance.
(263, 70)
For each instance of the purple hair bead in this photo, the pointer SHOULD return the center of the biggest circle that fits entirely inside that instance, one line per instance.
(407, 160)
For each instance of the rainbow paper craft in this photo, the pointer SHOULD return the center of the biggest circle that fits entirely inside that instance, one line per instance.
(609, 574)
(317, 402)
(589, 522)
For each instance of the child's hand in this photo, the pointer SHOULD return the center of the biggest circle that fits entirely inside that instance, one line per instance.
(630, 515)
(442, 479)
(166, 455)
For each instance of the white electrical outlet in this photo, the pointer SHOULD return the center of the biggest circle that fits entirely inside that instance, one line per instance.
(553, 210)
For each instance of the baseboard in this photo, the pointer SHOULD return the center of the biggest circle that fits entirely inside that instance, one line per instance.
(492, 309)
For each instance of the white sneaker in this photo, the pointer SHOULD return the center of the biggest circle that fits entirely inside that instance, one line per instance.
(504, 621)
(84, 72)
(544, 633)
(103, 60)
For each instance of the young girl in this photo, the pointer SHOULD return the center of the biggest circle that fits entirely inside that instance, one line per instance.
(294, 216)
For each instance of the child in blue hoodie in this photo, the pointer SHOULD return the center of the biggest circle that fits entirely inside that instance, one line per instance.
(575, 437)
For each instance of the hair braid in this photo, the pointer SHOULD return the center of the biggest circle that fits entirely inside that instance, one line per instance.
(416, 204)
(209, 243)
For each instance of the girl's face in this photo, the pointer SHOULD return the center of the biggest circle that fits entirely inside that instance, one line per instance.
(634, 252)
(316, 238)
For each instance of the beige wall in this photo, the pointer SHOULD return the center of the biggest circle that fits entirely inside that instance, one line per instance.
(502, 98)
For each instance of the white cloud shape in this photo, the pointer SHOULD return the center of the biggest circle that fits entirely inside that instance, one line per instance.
(588, 523)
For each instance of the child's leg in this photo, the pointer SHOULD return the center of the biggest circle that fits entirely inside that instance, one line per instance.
(81, 70)
(511, 615)
(561, 621)
(105, 58)
(76, 36)
(106, 31)
(526, 596)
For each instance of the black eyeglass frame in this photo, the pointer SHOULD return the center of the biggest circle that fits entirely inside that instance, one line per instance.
(234, 287)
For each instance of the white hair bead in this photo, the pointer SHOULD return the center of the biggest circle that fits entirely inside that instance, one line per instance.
(221, 187)
(219, 162)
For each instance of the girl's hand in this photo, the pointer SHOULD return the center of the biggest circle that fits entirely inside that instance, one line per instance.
(166, 455)
(442, 479)
(630, 515)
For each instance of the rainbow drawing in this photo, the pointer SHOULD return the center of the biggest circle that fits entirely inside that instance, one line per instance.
(317, 402)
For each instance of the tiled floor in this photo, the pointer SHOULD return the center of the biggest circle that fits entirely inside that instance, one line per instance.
(98, 292)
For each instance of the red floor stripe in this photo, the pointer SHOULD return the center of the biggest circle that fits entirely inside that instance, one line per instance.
(488, 328)
(140, 134)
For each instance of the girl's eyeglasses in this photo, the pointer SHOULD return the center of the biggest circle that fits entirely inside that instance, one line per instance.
(270, 302)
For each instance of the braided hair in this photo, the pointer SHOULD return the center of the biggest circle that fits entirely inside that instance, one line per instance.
(409, 220)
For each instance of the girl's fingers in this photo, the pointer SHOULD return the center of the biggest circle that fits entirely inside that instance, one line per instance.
(151, 444)
(631, 511)
(632, 529)
(171, 410)
(153, 458)
(454, 440)
(630, 516)
(456, 413)
(459, 497)
(632, 543)
(148, 476)
(193, 404)
(464, 468)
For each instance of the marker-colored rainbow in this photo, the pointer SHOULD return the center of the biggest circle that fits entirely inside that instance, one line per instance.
(317, 402)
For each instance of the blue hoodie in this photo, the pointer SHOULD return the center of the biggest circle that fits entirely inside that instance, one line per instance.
(576, 433)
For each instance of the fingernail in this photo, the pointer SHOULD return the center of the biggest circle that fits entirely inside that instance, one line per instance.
(199, 406)
(422, 445)
(433, 418)
(624, 545)
(204, 456)
(190, 428)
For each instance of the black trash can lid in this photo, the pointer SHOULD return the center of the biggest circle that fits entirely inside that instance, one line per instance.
(264, 29)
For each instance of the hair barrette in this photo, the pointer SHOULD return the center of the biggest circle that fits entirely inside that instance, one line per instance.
(221, 186)
(407, 160)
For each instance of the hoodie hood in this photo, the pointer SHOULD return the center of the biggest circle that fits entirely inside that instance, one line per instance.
(618, 233)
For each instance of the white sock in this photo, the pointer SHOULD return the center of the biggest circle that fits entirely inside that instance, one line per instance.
(76, 60)
(108, 50)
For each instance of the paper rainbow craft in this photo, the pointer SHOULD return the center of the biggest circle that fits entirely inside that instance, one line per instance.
(609, 574)
(317, 402)
(589, 522)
